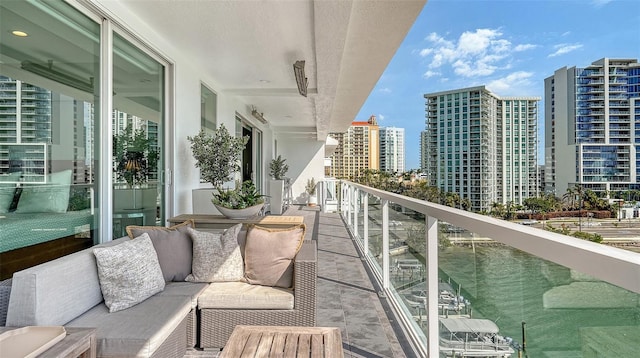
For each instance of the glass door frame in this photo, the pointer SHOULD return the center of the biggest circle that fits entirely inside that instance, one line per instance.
(108, 27)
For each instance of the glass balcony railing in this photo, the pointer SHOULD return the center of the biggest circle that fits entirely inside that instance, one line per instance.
(464, 284)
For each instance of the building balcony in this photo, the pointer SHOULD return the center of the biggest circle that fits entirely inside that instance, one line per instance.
(526, 277)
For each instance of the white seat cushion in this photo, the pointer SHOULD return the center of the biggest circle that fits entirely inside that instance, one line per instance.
(243, 295)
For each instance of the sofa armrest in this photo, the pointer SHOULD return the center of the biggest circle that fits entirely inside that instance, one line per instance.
(305, 269)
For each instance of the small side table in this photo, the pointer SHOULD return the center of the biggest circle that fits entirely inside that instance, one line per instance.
(283, 341)
(79, 342)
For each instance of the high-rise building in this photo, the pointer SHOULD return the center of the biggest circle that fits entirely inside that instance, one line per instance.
(358, 148)
(31, 140)
(424, 140)
(392, 154)
(592, 127)
(481, 146)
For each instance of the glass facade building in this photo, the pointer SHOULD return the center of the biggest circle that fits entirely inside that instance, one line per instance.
(592, 127)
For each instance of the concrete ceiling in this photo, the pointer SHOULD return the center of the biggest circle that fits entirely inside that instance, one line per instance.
(249, 48)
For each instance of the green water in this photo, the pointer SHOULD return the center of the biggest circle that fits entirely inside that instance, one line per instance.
(507, 286)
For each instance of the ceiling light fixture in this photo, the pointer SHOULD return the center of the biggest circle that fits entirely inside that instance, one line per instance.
(19, 33)
(58, 76)
(259, 116)
(301, 79)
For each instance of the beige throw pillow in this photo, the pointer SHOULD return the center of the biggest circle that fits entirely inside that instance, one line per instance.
(129, 272)
(216, 257)
(269, 254)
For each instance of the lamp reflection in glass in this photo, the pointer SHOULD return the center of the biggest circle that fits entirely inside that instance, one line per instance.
(133, 165)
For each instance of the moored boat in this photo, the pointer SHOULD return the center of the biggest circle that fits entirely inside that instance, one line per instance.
(471, 337)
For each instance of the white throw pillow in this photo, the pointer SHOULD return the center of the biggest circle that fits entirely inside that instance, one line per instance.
(129, 272)
(216, 257)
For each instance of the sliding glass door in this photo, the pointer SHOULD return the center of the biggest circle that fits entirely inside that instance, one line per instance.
(138, 132)
(53, 153)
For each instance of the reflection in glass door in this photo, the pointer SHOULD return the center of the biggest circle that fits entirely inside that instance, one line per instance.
(49, 141)
(138, 132)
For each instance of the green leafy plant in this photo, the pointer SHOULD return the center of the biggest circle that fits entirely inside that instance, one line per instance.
(135, 156)
(243, 196)
(217, 155)
(277, 168)
(310, 188)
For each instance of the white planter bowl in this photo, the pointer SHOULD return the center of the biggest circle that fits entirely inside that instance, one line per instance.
(240, 213)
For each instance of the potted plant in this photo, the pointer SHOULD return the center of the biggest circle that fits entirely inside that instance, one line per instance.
(218, 157)
(277, 169)
(135, 159)
(310, 188)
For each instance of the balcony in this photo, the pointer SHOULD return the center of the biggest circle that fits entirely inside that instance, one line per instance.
(532, 276)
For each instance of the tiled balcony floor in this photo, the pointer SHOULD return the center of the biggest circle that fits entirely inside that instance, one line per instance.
(346, 296)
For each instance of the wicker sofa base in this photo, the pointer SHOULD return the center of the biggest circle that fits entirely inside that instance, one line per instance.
(216, 324)
(176, 344)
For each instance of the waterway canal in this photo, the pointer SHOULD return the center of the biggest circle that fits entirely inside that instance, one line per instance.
(567, 314)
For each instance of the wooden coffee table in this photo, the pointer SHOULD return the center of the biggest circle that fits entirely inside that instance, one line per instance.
(79, 342)
(283, 341)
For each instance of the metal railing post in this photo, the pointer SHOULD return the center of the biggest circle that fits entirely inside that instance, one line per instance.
(350, 206)
(385, 244)
(431, 237)
(365, 223)
(356, 209)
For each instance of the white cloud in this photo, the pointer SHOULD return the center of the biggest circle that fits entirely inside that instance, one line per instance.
(476, 42)
(385, 90)
(599, 3)
(524, 47)
(474, 54)
(562, 49)
(512, 84)
(430, 73)
(425, 51)
(381, 117)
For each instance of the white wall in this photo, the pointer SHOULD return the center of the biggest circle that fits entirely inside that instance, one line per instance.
(306, 160)
(185, 119)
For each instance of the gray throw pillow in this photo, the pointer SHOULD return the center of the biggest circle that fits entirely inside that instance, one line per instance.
(269, 254)
(129, 273)
(216, 257)
(173, 246)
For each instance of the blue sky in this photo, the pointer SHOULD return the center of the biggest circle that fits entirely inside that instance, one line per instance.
(510, 46)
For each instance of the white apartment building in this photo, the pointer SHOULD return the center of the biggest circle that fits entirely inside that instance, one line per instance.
(481, 146)
(592, 127)
(392, 149)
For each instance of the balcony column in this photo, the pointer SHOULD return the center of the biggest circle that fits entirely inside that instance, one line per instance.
(433, 291)
(365, 223)
(385, 244)
(356, 209)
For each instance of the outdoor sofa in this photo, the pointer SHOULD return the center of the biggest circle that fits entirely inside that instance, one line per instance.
(69, 291)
